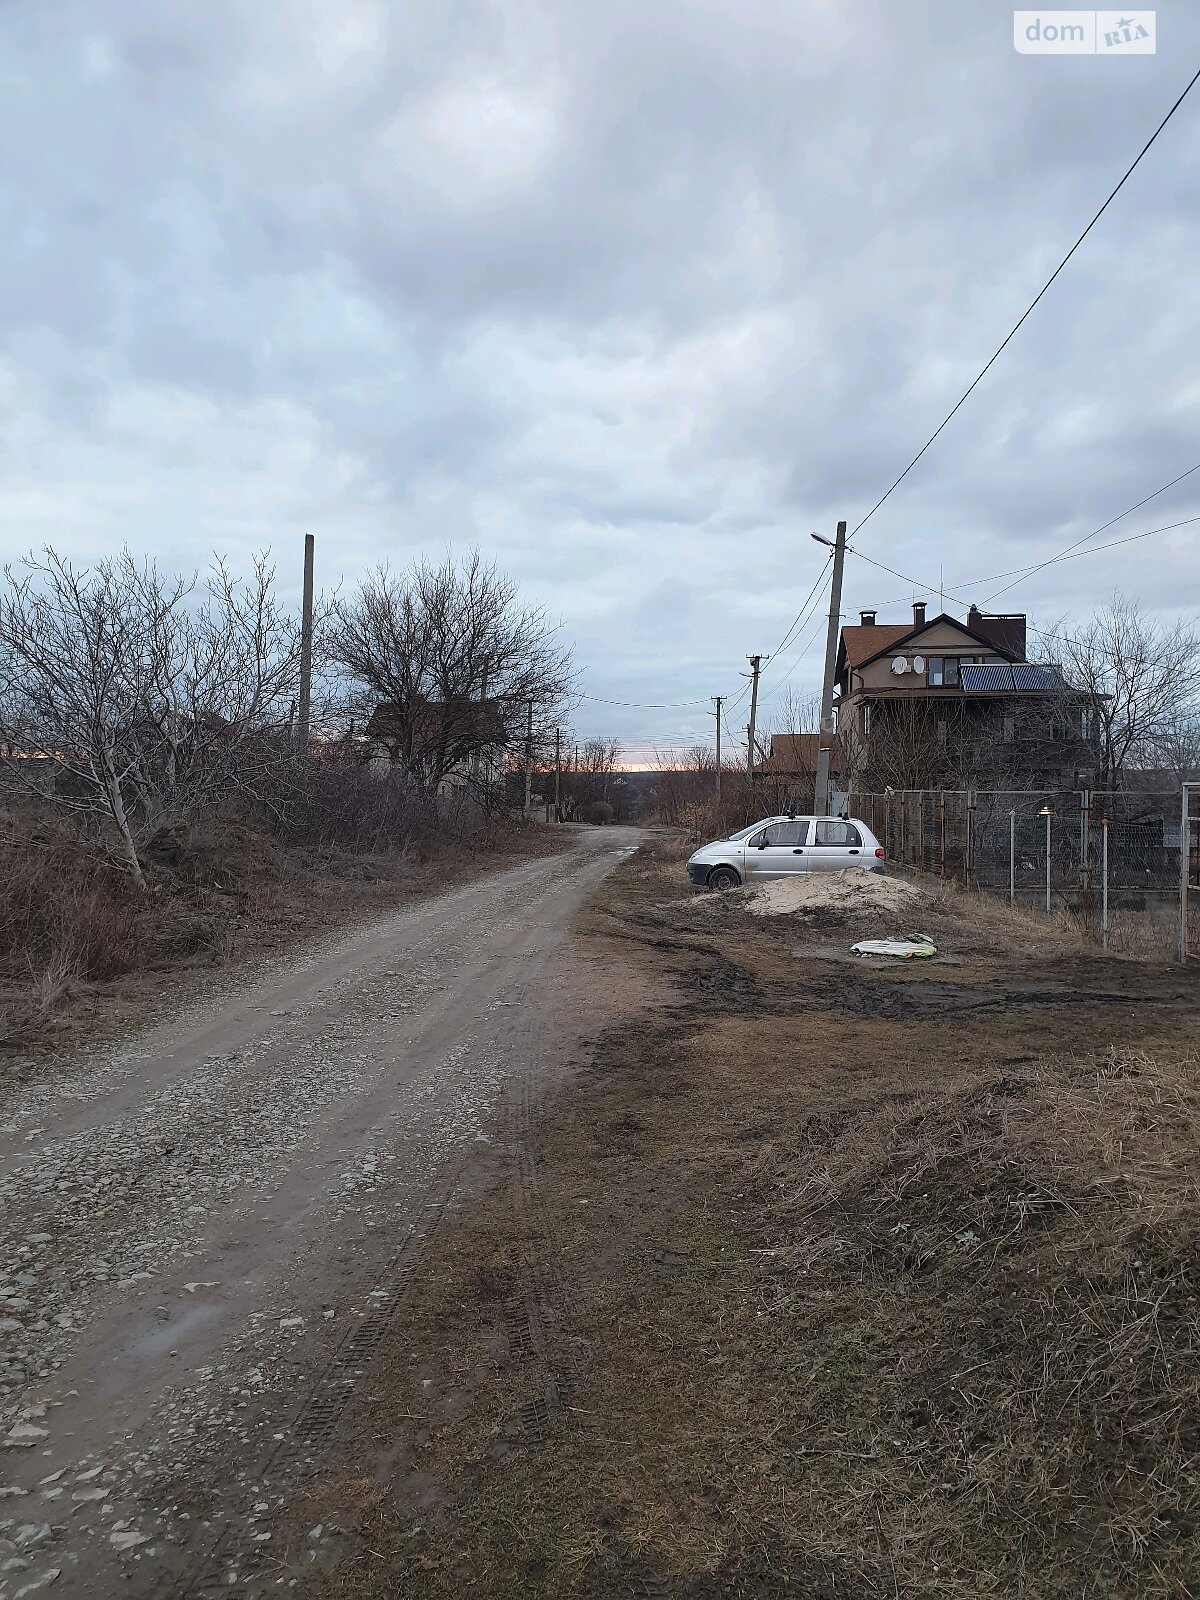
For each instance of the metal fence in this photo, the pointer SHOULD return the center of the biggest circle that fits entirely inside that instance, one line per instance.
(1098, 855)
(1189, 873)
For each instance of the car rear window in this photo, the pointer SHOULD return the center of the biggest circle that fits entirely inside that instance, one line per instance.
(837, 835)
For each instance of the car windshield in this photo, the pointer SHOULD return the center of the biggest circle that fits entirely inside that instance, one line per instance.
(744, 833)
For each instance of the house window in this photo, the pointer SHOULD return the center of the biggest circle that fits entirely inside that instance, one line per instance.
(1085, 724)
(1008, 729)
(866, 722)
(943, 671)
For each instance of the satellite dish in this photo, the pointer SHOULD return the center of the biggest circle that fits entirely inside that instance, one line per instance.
(918, 663)
(899, 666)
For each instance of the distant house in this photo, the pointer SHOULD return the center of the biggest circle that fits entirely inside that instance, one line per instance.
(939, 703)
(794, 755)
(446, 745)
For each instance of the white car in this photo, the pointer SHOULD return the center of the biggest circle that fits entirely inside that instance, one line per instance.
(776, 847)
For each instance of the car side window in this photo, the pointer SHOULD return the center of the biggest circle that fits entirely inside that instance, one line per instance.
(786, 833)
(837, 835)
(755, 839)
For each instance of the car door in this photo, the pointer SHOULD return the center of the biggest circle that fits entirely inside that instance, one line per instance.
(777, 850)
(835, 845)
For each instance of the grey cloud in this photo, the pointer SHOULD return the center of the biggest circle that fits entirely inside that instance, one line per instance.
(636, 296)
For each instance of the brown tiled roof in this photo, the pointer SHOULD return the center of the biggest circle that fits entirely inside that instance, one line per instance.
(861, 643)
(795, 754)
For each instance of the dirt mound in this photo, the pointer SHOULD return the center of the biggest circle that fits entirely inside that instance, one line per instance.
(850, 893)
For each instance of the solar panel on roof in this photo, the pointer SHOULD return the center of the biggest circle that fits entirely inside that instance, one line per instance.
(986, 678)
(1028, 676)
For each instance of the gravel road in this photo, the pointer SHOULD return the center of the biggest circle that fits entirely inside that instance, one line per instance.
(203, 1228)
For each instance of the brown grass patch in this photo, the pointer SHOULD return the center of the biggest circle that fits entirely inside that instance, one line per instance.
(75, 929)
(832, 1304)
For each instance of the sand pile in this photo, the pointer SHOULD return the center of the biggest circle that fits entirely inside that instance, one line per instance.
(850, 893)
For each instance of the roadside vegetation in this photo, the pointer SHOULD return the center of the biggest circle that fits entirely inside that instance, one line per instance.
(822, 1279)
(80, 942)
(160, 805)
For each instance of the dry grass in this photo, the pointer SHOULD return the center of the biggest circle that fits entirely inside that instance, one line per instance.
(840, 1304)
(73, 925)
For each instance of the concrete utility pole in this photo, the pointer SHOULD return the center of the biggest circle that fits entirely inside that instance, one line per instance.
(529, 761)
(719, 698)
(755, 669)
(306, 640)
(557, 774)
(825, 737)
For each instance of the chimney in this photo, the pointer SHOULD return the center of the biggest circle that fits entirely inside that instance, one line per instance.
(918, 613)
(867, 618)
(974, 617)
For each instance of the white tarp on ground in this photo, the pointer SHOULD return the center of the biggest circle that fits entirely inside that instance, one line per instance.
(905, 948)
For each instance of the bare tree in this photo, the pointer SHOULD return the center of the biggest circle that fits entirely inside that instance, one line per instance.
(1138, 678)
(1175, 749)
(449, 662)
(124, 697)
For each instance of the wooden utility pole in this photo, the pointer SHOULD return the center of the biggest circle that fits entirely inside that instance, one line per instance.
(755, 669)
(529, 761)
(718, 698)
(826, 735)
(557, 774)
(306, 642)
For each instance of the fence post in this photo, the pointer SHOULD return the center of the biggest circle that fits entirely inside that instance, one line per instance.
(1012, 858)
(1185, 840)
(1049, 825)
(942, 833)
(1085, 844)
(969, 862)
(1104, 885)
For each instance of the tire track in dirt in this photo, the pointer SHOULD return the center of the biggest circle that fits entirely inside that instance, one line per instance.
(315, 1426)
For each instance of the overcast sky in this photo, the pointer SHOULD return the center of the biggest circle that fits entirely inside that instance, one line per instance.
(632, 295)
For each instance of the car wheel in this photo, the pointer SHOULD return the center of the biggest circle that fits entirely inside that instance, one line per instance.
(723, 878)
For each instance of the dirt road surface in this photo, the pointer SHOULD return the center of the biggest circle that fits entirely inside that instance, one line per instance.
(205, 1228)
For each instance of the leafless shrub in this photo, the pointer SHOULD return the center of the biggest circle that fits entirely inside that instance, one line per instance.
(128, 698)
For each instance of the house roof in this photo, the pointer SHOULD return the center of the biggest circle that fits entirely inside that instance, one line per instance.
(795, 754)
(863, 643)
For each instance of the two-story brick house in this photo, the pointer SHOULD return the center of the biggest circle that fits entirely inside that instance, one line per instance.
(939, 703)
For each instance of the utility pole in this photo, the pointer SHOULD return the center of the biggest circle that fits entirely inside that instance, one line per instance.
(529, 762)
(306, 641)
(755, 669)
(557, 774)
(825, 737)
(718, 698)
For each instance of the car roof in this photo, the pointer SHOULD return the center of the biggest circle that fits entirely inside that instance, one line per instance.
(806, 816)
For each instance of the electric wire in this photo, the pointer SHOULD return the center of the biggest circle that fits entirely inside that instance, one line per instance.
(994, 357)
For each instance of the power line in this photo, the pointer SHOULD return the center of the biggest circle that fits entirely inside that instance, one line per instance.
(1028, 309)
(640, 705)
(799, 617)
(1068, 552)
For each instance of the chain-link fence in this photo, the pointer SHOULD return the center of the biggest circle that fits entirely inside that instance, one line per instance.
(1119, 863)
